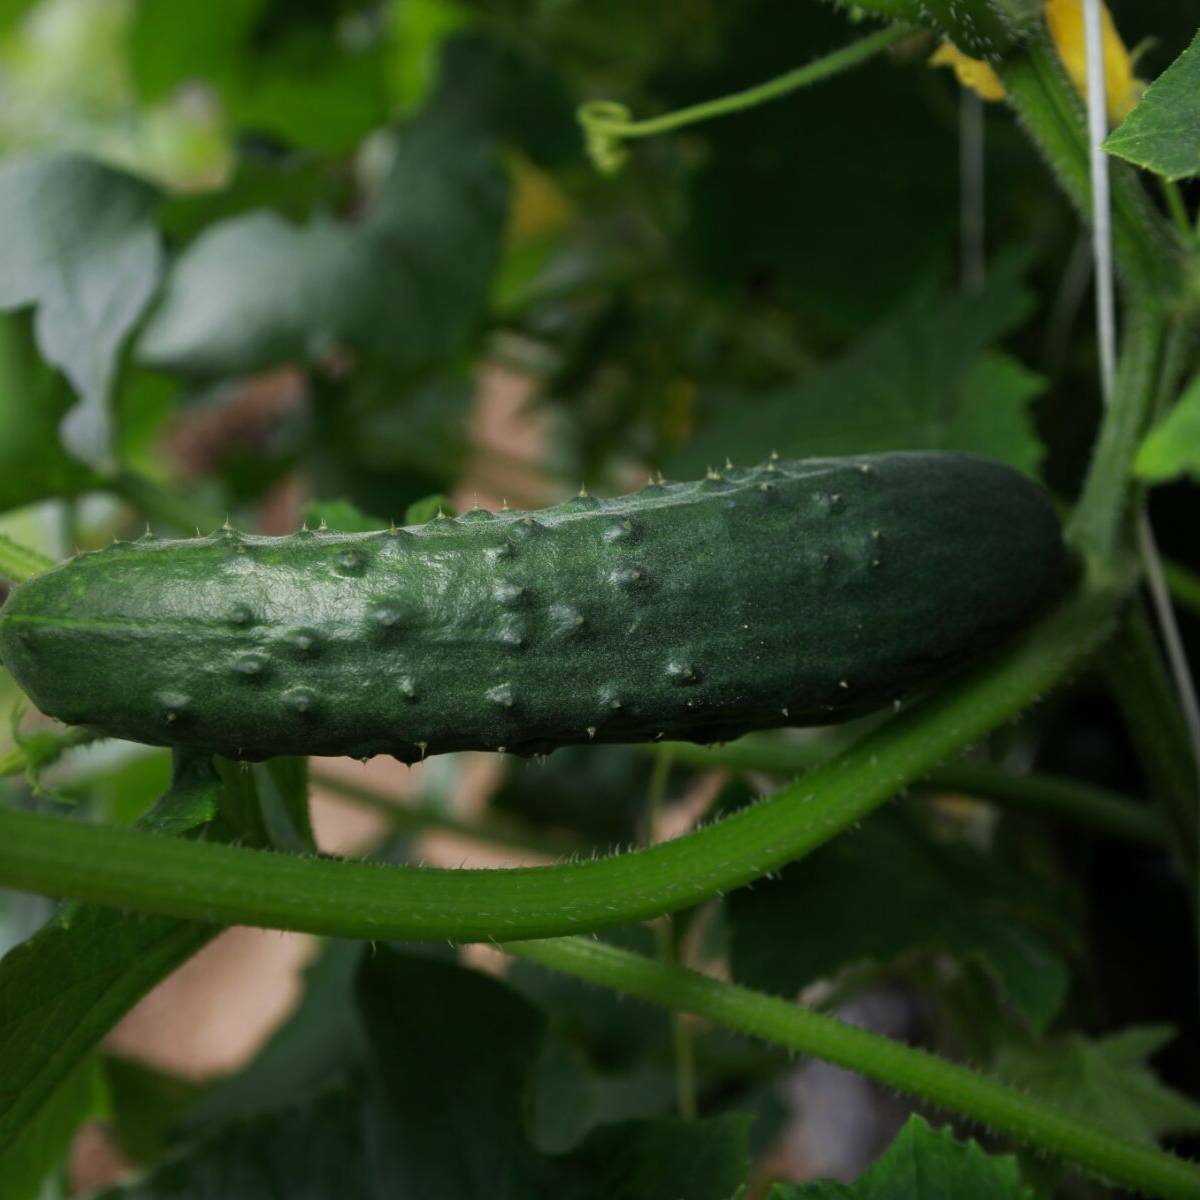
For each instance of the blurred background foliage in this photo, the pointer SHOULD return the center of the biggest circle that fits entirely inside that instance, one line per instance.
(275, 257)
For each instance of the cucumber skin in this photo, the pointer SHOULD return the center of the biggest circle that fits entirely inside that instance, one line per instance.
(787, 594)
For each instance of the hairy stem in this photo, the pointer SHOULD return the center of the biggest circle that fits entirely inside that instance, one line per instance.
(229, 885)
(1001, 1107)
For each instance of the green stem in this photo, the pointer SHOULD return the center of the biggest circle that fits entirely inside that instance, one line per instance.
(423, 817)
(1101, 526)
(18, 563)
(236, 886)
(1003, 1108)
(160, 504)
(607, 124)
(1176, 207)
(1145, 247)
(1045, 795)
(1184, 584)
(1143, 692)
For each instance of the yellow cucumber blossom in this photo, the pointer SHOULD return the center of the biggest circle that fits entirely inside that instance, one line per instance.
(1064, 20)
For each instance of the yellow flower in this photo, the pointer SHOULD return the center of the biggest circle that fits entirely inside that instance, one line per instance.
(1064, 19)
(972, 73)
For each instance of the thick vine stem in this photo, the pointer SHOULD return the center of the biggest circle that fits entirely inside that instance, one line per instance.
(997, 1105)
(228, 885)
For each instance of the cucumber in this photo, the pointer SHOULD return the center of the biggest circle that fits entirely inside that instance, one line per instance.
(785, 594)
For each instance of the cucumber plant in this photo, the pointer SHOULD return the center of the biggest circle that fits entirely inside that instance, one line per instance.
(415, 191)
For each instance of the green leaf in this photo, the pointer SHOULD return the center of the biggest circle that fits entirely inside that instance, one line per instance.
(65, 987)
(1163, 133)
(33, 401)
(302, 1151)
(423, 1019)
(924, 1163)
(83, 247)
(318, 1047)
(144, 1106)
(421, 511)
(404, 286)
(42, 1145)
(925, 378)
(442, 1115)
(888, 890)
(1172, 447)
(1107, 1081)
(341, 515)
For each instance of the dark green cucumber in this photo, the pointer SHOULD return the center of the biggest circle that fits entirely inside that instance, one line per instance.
(791, 593)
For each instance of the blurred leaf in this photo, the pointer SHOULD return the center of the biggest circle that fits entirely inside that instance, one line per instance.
(1107, 1081)
(291, 185)
(316, 1048)
(1163, 133)
(925, 378)
(791, 227)
(492, 88)
(144, 1106)
(405, 285)
(41, 1146)
(65, 987)
(444, 1139)
(1172, 447)
(927, 1163)
(33, 400)
(418, 29)
(421, 511)
(302, 1151)
(885, 891)
(82, 246)
(342, 516)
(172, 44)
(597, 791)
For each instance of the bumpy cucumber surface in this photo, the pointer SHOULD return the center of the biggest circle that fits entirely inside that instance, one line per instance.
(789, 593)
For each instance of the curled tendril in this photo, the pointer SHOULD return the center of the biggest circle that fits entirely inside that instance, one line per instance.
(605, 125)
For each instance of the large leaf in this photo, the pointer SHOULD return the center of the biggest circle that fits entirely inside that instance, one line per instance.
(404, 286)
(424, 1020)
(1163, 133)
(883, 892)
(42, 1145)
(924, 1163)
(1172, 447)
(443, 1115)
(1107, 1081)
(65, 987)
(82, 246)
(925, 378)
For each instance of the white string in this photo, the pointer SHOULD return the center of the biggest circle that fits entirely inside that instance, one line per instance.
(1106, 319)
(1106, 327)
